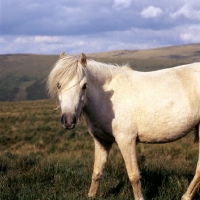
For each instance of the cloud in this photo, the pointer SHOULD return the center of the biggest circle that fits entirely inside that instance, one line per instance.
(44, 44)
(135, 38)
(2, 40)
(120, 4)
(47, 39)
(151, 12)
(191, 35)
(188, 12)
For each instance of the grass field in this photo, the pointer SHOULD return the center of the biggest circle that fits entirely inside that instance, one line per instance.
(41, 160)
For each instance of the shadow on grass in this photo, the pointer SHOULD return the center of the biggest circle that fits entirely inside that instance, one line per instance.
(159, 181)
(115, 190)
(162, 182)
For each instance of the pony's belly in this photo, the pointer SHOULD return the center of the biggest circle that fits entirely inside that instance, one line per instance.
(167, 124)
(163, 136)
(159, 139)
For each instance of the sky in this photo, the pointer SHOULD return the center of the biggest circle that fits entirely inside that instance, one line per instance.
(89, 26)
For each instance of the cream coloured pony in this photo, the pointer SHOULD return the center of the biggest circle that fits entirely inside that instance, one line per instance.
(125, 106)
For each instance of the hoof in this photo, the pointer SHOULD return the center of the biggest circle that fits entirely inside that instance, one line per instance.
(91, 196)
(184, 197)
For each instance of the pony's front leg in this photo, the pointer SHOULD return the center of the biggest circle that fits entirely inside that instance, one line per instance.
(127, 147)
(102, 149)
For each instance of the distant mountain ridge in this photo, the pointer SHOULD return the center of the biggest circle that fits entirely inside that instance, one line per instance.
(23, 76)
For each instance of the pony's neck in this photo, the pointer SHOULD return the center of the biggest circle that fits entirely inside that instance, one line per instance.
(101, 73)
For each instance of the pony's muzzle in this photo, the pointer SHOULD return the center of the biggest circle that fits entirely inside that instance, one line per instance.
(68, 121)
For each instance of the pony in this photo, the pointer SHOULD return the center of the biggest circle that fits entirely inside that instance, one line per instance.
(126, 107)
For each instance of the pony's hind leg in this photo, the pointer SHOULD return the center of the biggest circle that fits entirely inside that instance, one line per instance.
(102, 149)
(196, 180)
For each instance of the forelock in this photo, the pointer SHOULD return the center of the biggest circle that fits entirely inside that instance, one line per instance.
(63, 72)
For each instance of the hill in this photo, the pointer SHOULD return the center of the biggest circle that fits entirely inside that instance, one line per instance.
(23, 76)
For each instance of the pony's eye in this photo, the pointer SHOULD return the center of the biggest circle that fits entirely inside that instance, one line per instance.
(58, 85)
(84, 86)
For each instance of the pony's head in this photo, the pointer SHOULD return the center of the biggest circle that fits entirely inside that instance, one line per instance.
(67, 82)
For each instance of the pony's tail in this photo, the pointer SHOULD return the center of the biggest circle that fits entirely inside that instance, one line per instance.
(196, 133)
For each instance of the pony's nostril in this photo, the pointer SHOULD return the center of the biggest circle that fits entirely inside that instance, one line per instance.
(62, 119)
(74, 120)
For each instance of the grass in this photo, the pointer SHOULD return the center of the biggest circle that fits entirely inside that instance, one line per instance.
(41, 160)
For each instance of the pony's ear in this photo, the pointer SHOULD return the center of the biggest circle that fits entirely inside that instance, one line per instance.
(83, 60)
(62, 55)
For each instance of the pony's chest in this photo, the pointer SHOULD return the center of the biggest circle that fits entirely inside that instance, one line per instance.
(100, 129)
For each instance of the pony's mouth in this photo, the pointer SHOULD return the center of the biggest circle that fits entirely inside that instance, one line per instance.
(71, 126)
